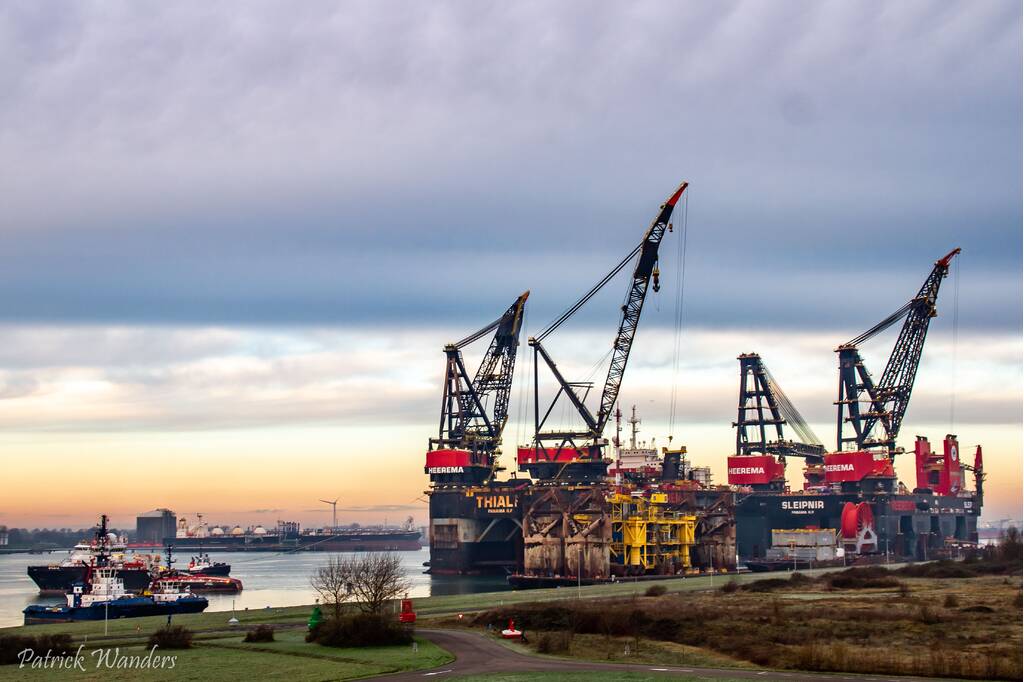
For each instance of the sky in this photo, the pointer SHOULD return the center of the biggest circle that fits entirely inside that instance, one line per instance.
(236, 236)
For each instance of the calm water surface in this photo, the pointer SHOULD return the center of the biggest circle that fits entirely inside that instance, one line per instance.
(268, 579)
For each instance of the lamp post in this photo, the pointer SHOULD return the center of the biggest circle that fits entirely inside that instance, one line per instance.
(579, 571)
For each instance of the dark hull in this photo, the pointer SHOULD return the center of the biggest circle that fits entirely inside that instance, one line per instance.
(216, 569)
(529, 582)
(471, 534)
(399, 541)
(201, 584)
(915, 526)
(767, 566)
(59, 579)
(136, 607)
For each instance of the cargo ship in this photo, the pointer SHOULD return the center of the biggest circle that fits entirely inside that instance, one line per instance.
(195, 578)
(134, 571)
(288, 536)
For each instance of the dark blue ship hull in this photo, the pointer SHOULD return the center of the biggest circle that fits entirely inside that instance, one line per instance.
(59, 579)
(129, 607)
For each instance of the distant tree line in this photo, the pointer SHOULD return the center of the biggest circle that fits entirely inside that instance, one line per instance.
(53, 538)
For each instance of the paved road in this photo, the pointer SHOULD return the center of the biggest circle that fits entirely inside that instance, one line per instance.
(476, 654)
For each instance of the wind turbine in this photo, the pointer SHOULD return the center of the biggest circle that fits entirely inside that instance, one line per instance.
(334, 513)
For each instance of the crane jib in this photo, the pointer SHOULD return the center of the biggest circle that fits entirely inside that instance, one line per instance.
(646, 255)
(889, 397)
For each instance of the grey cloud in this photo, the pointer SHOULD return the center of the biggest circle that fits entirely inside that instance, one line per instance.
(411, 163)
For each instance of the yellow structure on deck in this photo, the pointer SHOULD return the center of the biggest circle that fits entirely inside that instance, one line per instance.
(647, 537)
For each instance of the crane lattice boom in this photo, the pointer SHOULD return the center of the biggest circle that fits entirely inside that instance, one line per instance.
(764, 408)
(645, 256)
(474, 412)
(888, 399)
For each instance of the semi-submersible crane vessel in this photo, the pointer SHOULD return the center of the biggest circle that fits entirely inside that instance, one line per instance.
(854, 489)
(572, 519)
(579, 521)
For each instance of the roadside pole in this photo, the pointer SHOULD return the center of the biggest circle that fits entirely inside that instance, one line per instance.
(579, 571)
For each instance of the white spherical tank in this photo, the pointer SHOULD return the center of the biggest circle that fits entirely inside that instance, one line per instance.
(216, 531)
(237, 530)
(259, 530)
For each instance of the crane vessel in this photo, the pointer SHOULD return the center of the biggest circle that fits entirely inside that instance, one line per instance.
(853, 490)
(592, 510)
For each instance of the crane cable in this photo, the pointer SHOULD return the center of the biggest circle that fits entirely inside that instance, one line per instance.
(521, 409)
(956, 343)
(678, 321)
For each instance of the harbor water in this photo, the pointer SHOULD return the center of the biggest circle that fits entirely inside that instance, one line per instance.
(268, 580)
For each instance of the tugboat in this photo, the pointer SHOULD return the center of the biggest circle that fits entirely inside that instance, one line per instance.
(107, 598)
(198, 582)
(134, 572)
(201, 565)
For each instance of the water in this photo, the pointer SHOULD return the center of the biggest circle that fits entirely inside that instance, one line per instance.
(268, 579)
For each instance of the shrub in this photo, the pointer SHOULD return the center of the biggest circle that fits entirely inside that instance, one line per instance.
(57, 644)
(554, 642)
(979, 608)
(800, 579)
(730, 586)
(171, 637)
(938, 569)
(927, 615)
(362, 629)
(767, 585)
(11, 645)
(261, 633)
(951, 602)
(656, 590)
(863, 578)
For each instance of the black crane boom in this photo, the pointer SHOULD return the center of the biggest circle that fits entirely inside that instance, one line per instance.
(474, 412)
(645, 256)
(764, 408)
(634, 305)
(888, 399)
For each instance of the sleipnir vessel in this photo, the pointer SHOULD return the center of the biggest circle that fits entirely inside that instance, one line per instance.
(854, 489)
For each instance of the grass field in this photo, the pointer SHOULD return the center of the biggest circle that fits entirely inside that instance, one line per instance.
(954, 627)
(228, 658)
(451, 604)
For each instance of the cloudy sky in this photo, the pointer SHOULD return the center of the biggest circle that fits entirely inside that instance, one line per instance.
(235, 236)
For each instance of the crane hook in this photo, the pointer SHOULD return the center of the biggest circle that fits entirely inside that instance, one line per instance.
(657, 275)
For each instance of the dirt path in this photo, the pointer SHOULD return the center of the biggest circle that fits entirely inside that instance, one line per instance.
(476, 654)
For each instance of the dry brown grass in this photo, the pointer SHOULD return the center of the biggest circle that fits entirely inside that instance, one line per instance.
(817, 626)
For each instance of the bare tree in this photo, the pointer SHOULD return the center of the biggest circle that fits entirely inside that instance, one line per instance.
(379, 580)
(370, 580)
(333, 582)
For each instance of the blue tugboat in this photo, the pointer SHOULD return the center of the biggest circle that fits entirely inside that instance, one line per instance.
(108, 599)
